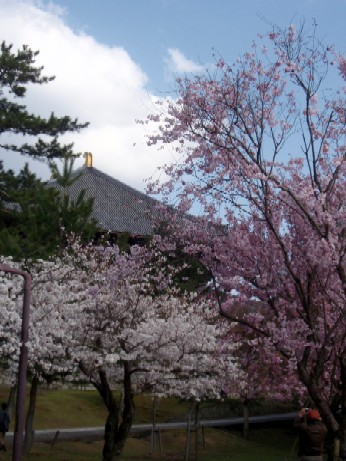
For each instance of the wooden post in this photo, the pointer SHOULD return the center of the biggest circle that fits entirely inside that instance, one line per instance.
(55, 438)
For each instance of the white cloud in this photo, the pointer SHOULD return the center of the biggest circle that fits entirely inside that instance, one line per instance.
(94, 82)
(178, 63)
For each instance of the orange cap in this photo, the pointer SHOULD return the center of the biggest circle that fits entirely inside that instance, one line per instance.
(314, 415)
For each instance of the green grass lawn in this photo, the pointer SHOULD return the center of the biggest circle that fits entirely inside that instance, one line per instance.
(220, 445)
(83, 408)
(72, 408)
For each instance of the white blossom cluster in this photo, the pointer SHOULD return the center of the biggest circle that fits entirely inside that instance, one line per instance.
(98, 309)
(51, 301)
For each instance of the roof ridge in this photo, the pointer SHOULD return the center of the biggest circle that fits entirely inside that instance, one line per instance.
(83, 169)
(112, 179)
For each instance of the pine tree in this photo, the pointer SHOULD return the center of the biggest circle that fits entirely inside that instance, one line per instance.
(39, 219)
(17, 70)
(34, 219)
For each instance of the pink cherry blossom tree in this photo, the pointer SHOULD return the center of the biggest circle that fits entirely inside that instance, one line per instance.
(260, 154)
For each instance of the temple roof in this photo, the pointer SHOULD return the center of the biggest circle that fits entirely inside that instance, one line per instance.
(117, 207)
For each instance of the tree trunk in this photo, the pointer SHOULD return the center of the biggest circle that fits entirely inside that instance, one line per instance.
(196, 424)
(342, 410)
(188, 434)
(343, 437)
(11, 399)
(29, 430)
(128, 410)
(110, 451)
(153, 430)
(116, 434)
(246, 424)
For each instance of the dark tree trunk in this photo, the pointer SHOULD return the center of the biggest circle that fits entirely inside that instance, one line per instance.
(11, 400)
(246, 424)
(110, 450)
(29, 421)
(128, 410)
(116, 432)
(342, 410)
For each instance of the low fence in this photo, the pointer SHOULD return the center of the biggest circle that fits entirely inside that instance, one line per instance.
(96, 433)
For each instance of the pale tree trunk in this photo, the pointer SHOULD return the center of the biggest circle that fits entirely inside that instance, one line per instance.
(29, 421)
(196, 427)
(154, 435)
(196, 424)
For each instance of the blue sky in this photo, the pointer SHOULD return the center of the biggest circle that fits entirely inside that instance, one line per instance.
(112, 58)
(147, 29)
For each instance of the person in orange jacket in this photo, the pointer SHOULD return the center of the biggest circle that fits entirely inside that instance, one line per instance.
(312, 433)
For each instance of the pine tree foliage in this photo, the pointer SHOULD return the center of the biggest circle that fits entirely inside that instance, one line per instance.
(38, 220)
(17, 71)
(34, 219)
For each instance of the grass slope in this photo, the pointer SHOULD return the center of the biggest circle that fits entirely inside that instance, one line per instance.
(72, 408)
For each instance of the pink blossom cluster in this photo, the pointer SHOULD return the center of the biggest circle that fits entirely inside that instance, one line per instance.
(262, 162)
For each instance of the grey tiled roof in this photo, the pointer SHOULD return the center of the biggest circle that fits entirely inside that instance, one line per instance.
(117, 207)
(11, 206)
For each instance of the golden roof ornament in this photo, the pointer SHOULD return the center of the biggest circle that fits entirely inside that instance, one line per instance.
(88, 159)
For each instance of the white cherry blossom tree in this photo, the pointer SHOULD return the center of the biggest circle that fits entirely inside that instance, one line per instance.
(135, 331)
(51, 298)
